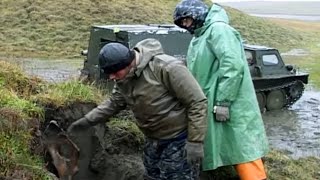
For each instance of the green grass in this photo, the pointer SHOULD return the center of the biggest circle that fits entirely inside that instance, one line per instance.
(280, 166)
(310, 62)
(13, 78)
(61, 28)
(16, 111)
(129, 126)
(16, 161)
(68, 92)
(22, 102)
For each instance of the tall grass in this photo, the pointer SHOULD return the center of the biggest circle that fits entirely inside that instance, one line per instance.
(37, 28)
(68, 92)
(16, 161)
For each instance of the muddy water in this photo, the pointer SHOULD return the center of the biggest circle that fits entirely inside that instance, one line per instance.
(296, 130)
(51, 70)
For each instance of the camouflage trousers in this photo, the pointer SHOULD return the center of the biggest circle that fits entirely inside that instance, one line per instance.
(167, 160)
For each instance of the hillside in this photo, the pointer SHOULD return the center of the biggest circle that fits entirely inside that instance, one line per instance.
(37, 28)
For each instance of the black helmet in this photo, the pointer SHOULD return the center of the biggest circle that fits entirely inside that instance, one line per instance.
(195, 9)
(114, 57)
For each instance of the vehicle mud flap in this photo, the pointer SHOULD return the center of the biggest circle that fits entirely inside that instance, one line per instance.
(63, 151)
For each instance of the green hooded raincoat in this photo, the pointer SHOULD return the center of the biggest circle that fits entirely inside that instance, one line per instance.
(216, 59)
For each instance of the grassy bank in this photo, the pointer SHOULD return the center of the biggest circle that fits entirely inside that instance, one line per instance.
(22, 101)
(16, 114)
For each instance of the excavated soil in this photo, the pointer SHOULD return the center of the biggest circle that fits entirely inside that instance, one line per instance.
(106, 153)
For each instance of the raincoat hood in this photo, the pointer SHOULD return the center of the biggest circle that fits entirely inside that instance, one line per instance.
(147, 49)
(195, 9)
(216, 14)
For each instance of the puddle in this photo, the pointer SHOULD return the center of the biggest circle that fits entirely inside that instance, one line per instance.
(296, 130)
(51, 70)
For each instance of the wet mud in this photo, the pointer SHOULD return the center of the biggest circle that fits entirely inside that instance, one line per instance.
(106, 153)
(296, 130)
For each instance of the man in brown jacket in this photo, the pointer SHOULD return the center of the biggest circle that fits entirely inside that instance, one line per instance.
(167, 102)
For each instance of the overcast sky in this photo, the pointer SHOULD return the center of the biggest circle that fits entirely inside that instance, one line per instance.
(258, 0)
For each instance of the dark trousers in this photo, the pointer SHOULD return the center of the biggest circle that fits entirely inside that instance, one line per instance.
(167, 160)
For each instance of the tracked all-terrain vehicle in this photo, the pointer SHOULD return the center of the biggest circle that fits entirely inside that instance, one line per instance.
(277, 85)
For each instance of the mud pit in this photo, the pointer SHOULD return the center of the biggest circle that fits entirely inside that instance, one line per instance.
(106, 153)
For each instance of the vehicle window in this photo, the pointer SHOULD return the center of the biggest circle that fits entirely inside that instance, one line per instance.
(249, 57)
(270, 60)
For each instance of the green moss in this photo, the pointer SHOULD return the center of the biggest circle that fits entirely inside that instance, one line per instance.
(129, 126)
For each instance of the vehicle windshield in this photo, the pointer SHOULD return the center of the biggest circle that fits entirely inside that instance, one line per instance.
(270, 60)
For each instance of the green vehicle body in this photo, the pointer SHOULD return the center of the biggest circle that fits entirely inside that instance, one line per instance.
(277, 85)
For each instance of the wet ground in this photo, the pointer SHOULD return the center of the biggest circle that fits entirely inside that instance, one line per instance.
(296, 130)
(51, 70)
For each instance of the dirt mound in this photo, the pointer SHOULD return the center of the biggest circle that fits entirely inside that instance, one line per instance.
(106, 152)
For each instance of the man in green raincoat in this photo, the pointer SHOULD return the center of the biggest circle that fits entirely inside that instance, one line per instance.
(236, 134)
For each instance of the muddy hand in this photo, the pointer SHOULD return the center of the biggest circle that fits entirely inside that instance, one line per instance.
(78, 126)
